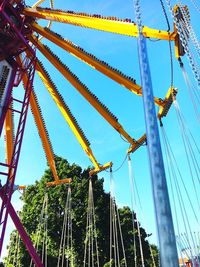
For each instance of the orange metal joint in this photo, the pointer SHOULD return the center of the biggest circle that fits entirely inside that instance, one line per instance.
(59, 182)
(100, 169)
(21, 187)
(171, 94)
(138, 143)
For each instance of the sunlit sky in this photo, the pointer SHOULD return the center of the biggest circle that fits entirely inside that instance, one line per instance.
(106, 144)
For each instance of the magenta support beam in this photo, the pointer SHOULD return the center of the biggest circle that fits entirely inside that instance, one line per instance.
(6, 192)
(15, 156)
(24, 236)
(17, 31)
(8, 98)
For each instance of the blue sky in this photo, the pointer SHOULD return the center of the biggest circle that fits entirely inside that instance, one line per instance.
(120, 52)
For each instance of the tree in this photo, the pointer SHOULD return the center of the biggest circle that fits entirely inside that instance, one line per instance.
(30, 215)
(155, 253)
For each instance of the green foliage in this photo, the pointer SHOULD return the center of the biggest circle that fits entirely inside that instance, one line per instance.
(33, 200)
(155, 254)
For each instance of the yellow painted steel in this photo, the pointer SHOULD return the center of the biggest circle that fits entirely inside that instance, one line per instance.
(51, 5)
(177, 44)
(140, 142)
(179, 49)
(84, 92)
(44, 138)
(171, 93)
(102, 168)
(92, 61)
(42, 131)
(67, 115)
(63, 181)
(103, 24)
(9, 135)
(98, 65)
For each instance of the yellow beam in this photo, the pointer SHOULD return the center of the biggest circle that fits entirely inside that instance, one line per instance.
(66, 113)
(43, 134)
(171, 93)
(103, 24)
(9, 134)
(63, 181)
(101, 168)
(84, 91)
(140, 142)
(35, 108)
(91, 60)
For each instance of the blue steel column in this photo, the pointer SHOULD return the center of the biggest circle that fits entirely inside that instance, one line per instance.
(165, 228)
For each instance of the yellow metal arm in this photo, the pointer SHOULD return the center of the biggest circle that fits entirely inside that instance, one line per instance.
(36, 111)
(66, 113)
(140, 142)
(43, 134)
(108, 24)
(171, 93)
(35, 108)
(91, 60)
(95, 171)
(84, 91)
(51, 5)
(9, 134)
(63, 181)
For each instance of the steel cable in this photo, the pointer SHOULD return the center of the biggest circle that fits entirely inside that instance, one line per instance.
(95, 230)
(174, 161)
(133, 197)
(39, 229)
(186, 223)
(169, 163)
(134, 185)
(195, 5)
(169, 42)
(188, 26)
(184, 41)
(91, 245)
(186, 140)
(66, 234)
(185, 143)
(190, 91)
(116, 235)
(44, 239)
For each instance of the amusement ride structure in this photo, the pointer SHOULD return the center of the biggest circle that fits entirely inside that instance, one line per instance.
(21, 37)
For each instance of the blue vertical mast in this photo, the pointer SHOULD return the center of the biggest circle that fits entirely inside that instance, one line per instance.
(165, 228)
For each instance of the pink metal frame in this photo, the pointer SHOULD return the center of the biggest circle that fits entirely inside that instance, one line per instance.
(8, 98)
(23, 234)
(7, 190)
